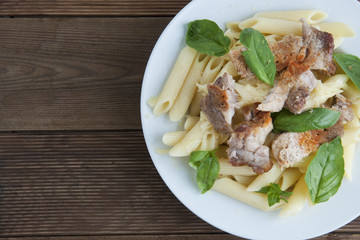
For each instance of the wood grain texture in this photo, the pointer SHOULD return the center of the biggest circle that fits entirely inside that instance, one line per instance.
(74, 73)
(216, 236)
(85, 183)
(89, 183)
(91, 7)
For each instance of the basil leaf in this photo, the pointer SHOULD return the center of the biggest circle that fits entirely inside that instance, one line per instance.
(351, 66)
(274, 193)
(197, 156)
(316, 118)
(325, 172)
(206, 37)
(258, 55)
(207, 166)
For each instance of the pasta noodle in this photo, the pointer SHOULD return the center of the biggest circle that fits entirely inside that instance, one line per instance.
(227, 169)
(188, 90)
(190, 122)
(296, 200)
(336, 29)
(211, 71)
(237, 191)
(244, 180)
(265, 178)
(172, 138)
(311, 16)
(351, 135)
(272, 26)
(251, 91)
(326, 90)
(175, 81)
(289, 178)
(189, 143)
(349, 151)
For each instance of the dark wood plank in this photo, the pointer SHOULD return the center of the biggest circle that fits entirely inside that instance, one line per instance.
(74, 73)
(222, 236)
(331, 236)
(86, 183)
(92, 7)
(90, 183)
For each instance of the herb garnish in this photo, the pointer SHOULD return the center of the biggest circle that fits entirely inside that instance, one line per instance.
(325, 172)
(351, 66)
(206, 37)
(258, 55)
(316, 118)
(275, 194)
(207, 165)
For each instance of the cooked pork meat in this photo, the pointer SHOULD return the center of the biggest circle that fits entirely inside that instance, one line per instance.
(239, 63)
(289, 148)
(296, 81)
(220, 103)
(343, 105)
(274, 102)
(305, 83)
(286, 50)
(246, 142)
(319, 49)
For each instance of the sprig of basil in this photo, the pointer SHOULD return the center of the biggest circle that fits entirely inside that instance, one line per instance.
(274, 193)
(258, 55)
(325, 172)
(316, 118)
(206, 37)
(207, 166)
(351, 66)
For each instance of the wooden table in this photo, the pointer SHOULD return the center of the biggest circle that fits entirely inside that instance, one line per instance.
(73, 161)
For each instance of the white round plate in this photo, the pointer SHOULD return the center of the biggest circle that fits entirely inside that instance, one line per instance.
(217, 209)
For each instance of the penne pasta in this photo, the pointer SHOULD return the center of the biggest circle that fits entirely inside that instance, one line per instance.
(228, 68)
(265, 179)
(152, 101)
(272, 26)
(237, 191)
(188, 90)
(297, 200)
(227, 169)
(338, 40)
(175, 81)
(289, 178)
(190, 122)
(349, 151)
(311, 16)
(189, 143)
(172, 138)
(244, 180)
(326, 90)
(336, 29)
(251, 91)
(351, 135)
(211, 71)
(353, 94)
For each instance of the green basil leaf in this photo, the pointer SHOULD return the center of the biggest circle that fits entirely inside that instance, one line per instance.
(207, 166)
(197, 156)
(351, 66)
(274, 193)
(325, 172)
(206, 37)
(207, 173)
(316, 118)
(258, 55)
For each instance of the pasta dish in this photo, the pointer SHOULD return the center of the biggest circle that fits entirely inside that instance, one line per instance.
(269, 113)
